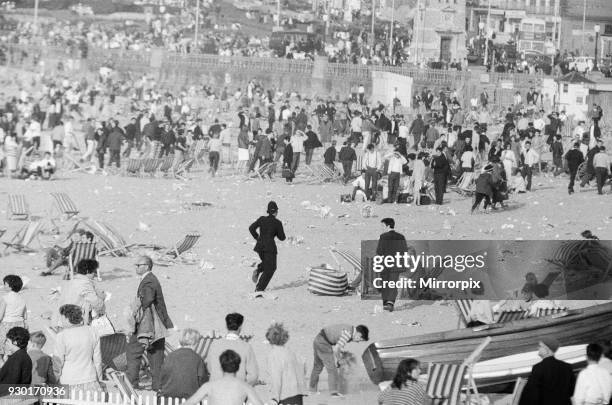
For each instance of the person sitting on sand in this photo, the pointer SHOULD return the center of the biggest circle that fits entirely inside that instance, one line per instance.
(228, 390)
(57, 256)
(43, 168)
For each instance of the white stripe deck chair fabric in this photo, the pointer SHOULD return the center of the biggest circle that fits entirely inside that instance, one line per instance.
(464, 307)
(569, 254)
(24, 237)
(132, 167)
(350, 257)
(183, 168)
(166, 164)
(445, 381)
(327, 282)
(80, 251)
(511, 315)
(65, 205)
(17, 207)
(128, 393)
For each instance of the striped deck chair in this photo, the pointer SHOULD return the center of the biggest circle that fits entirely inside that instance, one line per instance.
(350, 257)
(149, 166)
(183, 168)
(181, 247)
(511, 315)
(263, 171)
(80, 251)
(17, 207)
(519, 386)
(120, 380)
(24, 237)
(132, 167)
(542, 312)
(166, 164)
(464, 307)
(466, 184)
(569, 254)
(64, 205)
(446, 381)
(322, 173)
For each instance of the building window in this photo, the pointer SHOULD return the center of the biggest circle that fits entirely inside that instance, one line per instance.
(579, 100)
(565, 87)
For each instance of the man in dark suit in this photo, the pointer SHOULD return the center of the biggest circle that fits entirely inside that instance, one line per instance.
(440, 167)
(150, 325)
(551, 381)
(390, 243)
(269, 228)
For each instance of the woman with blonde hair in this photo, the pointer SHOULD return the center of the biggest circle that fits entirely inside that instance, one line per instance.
(286, 372)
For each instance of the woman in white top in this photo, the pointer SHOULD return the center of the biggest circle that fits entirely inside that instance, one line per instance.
(77, 358)
(286, 371)
(509, 161)
(13, 311)
(467, 160)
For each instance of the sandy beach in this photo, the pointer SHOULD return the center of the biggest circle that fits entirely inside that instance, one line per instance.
(153, 211)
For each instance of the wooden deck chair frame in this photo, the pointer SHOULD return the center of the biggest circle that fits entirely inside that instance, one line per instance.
(80, 251)
(166, 165)
(511, 316)
(76, 166)
(120, 380)
(24, 237)
(64, 205)
(451, 393)
(183, 168)
(182, 246)
(519, 386)
(17, 207)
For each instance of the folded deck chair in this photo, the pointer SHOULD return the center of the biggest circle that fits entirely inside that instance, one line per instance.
(542, 312)
(183, 168)
(166, 164)
(24, 237)
(149, 166)
(120, 380)
(511, 315)
(110, 241)
(263, 171)
(446, 381)
(322, 173)
(80, 251)
(519, 386)
(132, 167)
(74, 165)
(17, 207)
(466, 185)
(64, 205)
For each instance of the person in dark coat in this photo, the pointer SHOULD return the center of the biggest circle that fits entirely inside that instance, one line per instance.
(151, 321)
(389, 244)
(114, 141)
(551, 381)
(288, 159)
(557, 153)
(102, 138)
(269, 228)
(347, 156)
(329, 157)
(574, 159)
(18, 367)
(311, 143)
(590, 169)
(417, 129)
(484, 188)
(440, 167)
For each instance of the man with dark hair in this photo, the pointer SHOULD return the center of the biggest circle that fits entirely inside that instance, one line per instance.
(347, 156)
(150, 322)
(529, 158)
(551, 381)
(590, 168)
(574, 159)
(372, 163)
(390, 243)
(327, 346)
(269, 228)
(18, 366)
(228, 389)
(248, 371)
(594, 383)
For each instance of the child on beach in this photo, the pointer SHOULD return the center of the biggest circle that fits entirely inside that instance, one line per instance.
(42, 364)
(13, 312)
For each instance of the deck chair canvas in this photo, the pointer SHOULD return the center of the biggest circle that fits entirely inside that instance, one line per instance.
(64, 205)
(175, 253)
(466, 184)
(17, 207)
(24, 237)
(519, 386)
(120, 380)
(510, 316)
(80, 251)
(181, 170)
(351, 259)
(446, 381)
(149, 166)
(464, 308)
(262, 172)
(166, 165)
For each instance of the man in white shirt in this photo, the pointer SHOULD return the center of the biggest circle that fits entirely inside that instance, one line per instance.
(594, 384)
(359, 187)
(297, 143)
(372, 163)
(529, 158)
(226, 143)
(579, 131)
(356, 123)
(539, 123)
(396, 164)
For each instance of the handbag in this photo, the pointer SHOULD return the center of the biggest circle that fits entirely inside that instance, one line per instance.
(287, 174)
